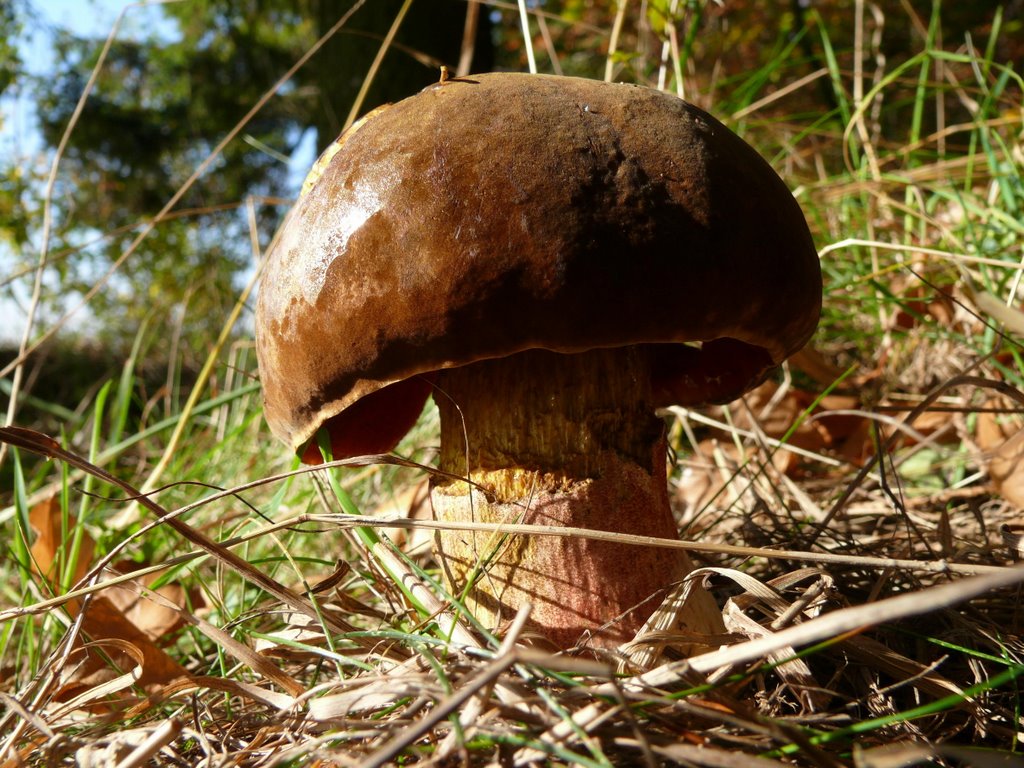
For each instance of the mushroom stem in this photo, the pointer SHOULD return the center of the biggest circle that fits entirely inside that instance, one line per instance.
(559, 440)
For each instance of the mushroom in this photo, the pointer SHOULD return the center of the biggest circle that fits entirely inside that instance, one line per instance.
(553, 259)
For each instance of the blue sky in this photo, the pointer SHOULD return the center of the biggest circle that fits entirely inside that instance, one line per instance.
(18, 134)
(93, 18)
(19, 138)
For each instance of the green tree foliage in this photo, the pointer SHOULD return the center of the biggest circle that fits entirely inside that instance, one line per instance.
(165, 99)
(10, 58)
(13, 223)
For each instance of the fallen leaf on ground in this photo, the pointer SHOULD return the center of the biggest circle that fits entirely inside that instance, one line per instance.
(50, 548)
(103, 618)
(1000, 437)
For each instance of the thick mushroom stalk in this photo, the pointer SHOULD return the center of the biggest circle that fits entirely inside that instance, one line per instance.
(560, 440)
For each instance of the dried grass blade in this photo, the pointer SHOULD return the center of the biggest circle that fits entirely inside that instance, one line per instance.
(876, 654)
(916, 753)
(520, 529)
(239, 688)
(239, 651)
(48, 447)
(485, 677)
(794, 672)
(830, 625)
(98, 693)
(368, 695)
(475, 707)
(860, 617)
(159, 738)
(705, 756)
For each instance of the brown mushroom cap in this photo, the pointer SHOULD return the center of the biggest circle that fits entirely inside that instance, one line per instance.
(498, 213)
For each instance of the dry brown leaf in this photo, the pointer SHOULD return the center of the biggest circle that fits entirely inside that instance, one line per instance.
(774, 415)
(413, 503)
(373, 693)
(922, 302)
(830, 427)
(103, 620)
(835, 426)
(709, 472)
(931, 424)
(84, 689)
(1001, 440)
(241, 652)
(156, 619)
(702, 479)
(764, 411)
(46, 519)
(815, 365)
